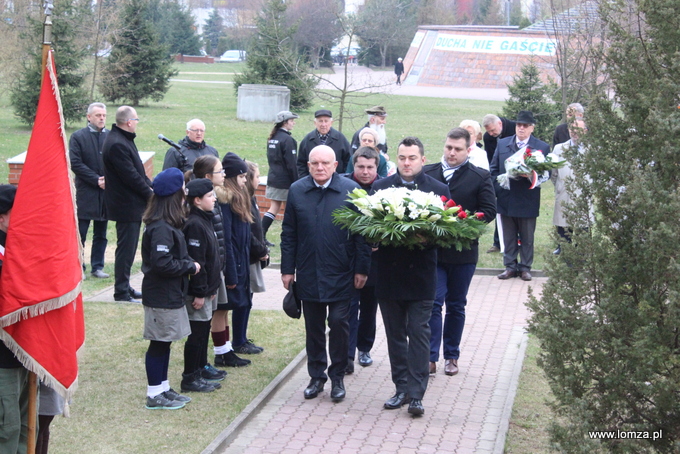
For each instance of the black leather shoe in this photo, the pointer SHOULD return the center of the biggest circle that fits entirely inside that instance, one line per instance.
(314, 388)
(338, 390)
(135, 294)
(525, 276)
(416, 407)
(396, 401)
(507, 274)
(365, 359)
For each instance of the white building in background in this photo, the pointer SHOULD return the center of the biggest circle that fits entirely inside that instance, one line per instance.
(351, 6)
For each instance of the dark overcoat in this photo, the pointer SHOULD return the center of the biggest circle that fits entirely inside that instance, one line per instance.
(408, 274)
(127, 187)
(323, 256)
(282, 159)
(85, 153)
(470, 187)
(519, 201)
(335, 140)
(237, 247)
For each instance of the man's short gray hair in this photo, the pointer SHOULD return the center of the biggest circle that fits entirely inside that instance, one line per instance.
(577, 108)
(123, 114)
(490, 119)
(95, 105)
(195, 120)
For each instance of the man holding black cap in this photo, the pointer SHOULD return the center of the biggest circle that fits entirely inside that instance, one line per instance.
(324, 134)
(127, 191)
(326, 262)
(518, 207)
(13, 375)
(377, 117)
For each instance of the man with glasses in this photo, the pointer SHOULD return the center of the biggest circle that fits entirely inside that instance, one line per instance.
(326, 262)
(127, 191)
(192, 146)
(518, 207)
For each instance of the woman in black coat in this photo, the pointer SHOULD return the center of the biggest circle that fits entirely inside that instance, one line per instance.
(237, 217)
(282, 159)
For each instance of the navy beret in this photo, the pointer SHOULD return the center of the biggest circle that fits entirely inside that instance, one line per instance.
(168, 182)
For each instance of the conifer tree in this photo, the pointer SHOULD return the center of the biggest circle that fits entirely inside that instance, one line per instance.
(175, 25)
(608, 320)
(271, 59)
(139, 67)
(528, 92)
(213, 30)
(69, 55)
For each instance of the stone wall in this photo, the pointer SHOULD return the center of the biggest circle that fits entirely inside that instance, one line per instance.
(475, 56)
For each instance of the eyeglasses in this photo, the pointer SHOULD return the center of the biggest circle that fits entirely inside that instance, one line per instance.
(219, 171)
(198, 131)
(133, 119)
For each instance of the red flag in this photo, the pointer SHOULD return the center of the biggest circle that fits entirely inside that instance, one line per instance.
(40, 295)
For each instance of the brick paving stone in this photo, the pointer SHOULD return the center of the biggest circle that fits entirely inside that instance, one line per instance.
(462, 413)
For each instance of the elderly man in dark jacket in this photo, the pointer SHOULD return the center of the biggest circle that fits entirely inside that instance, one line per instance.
(406, 288)
(127, 191)
(192, 146)
(324, 134)
(85, 152)
(518, 207)
(472, 188)
(327, 262)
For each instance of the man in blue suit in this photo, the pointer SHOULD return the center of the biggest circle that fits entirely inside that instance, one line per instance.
(518, 207)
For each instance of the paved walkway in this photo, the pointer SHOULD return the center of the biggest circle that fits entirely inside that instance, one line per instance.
(467, 413)
(365, 79)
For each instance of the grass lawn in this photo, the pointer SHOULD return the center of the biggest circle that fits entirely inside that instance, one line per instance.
(108, 414)
(531, 416)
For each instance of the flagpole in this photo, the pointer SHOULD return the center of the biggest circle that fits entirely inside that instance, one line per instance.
(47, 35)
(32, 377)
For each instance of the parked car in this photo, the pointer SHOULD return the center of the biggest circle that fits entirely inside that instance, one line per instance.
(233, 56)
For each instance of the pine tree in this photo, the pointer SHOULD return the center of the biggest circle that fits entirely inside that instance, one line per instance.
(175, 26)
(213, 30)
(608, 320)
(69, 54)
(271, 59)
(528, 92)
(139, 67)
